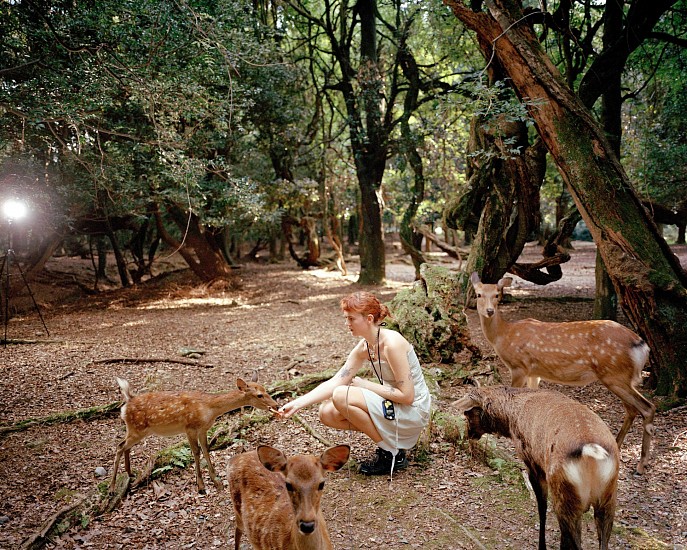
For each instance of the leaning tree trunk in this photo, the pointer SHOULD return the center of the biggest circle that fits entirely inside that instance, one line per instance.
(645, 273)
(198, 247)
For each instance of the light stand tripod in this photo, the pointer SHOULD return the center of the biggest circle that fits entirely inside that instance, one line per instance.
(5, 272)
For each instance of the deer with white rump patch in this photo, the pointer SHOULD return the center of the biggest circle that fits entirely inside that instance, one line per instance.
(568, 450)
(169, 413)
(277, 499)
(573, 353)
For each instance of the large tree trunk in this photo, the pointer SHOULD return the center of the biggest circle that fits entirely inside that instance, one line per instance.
(372, 253)
(199, 246)
(511, 209)
(503, 189)
(645, 273)
(369, 142)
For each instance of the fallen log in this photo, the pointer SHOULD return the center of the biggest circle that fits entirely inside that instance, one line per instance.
(150, 360)
(92, 413)
(13, 341)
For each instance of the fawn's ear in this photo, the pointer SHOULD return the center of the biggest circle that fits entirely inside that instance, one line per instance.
(335, 457)
(254, 378)
(271, 458)
(241, 384)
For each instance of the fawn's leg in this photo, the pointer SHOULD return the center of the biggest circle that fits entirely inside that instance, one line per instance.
(193, 442)
(203, 438)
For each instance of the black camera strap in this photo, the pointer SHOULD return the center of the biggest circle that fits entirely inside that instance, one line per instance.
(379, 358)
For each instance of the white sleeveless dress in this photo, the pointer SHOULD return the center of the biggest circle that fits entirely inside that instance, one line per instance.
(404, 431)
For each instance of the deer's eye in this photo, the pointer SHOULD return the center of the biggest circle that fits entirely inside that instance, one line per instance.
(260, 396)
(321, 486)
(289, 487)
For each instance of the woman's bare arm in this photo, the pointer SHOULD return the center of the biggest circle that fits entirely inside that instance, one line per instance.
(324, 391)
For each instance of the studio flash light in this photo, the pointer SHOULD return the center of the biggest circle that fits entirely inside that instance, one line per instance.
(13, 209)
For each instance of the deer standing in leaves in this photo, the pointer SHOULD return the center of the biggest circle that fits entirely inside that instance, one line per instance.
(169, 413)
(569, 452)
(573, 353)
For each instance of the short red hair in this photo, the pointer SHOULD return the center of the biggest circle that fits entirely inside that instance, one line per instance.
(366, 304)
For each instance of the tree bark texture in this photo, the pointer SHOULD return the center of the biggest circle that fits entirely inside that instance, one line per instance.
(370, 143)
(198, 247)
(645, 273)
(510, 183)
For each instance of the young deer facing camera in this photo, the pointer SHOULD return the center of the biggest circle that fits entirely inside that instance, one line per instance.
(277, 499)
(568, 450)
(169, 413)
(573, 353)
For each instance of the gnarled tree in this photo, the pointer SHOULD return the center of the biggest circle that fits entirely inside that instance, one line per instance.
(644, 271)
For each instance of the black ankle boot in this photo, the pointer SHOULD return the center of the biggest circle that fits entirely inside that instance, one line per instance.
(380, 464)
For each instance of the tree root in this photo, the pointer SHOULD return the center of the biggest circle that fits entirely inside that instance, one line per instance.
(84, 508)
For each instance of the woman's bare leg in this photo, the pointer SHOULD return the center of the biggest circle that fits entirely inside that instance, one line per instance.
(347, 410)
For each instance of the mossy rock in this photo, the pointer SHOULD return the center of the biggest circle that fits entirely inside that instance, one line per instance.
(430, 315)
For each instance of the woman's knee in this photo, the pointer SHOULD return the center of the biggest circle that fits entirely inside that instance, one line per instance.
(340, 397)
(327, 412)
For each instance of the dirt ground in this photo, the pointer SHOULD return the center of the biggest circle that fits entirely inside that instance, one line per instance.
(282, 320)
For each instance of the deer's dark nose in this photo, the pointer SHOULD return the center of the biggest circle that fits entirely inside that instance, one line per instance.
(307, 527)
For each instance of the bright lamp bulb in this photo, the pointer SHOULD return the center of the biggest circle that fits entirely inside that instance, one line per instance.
(13, 209)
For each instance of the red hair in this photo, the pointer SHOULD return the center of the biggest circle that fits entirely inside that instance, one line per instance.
(366, 304)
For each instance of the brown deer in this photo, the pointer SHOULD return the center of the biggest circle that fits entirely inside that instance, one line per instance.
(568, 450)
(573, 353)
(169, 413)
(277, 499)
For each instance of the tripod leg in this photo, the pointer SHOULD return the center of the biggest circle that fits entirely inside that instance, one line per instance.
(5, 293)
(33, 299)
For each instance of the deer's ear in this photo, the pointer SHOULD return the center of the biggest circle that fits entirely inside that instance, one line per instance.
(271, 458)
(465, 404)
(505, 281)
(474, 278)
(335, 457)
(254, 378)
(241, 384)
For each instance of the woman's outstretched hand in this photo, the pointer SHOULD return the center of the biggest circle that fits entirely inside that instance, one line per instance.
(287, 410)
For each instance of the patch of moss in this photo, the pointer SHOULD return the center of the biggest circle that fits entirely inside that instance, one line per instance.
(639, 539)
(64, 494)
(430, 315)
